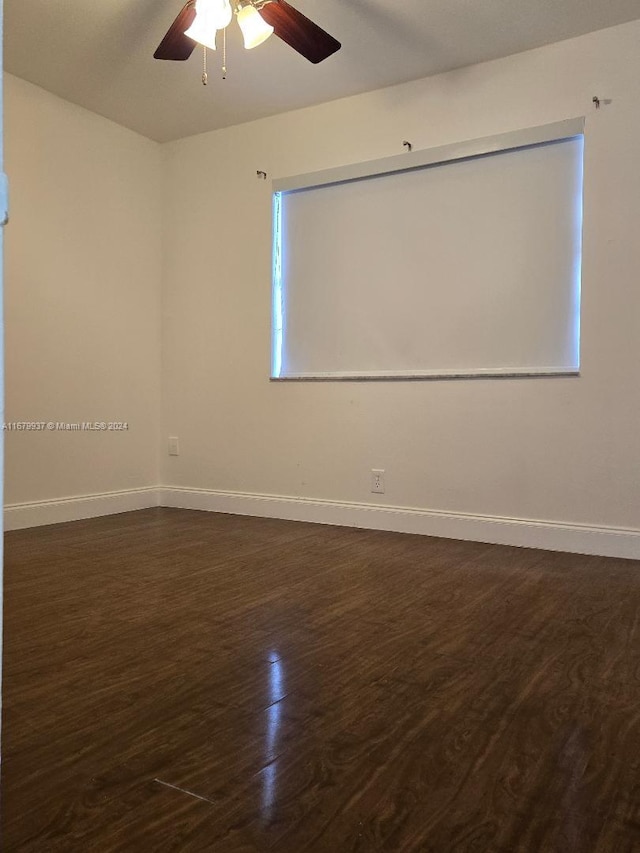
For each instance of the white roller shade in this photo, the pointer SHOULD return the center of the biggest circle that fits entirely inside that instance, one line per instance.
(458, 268)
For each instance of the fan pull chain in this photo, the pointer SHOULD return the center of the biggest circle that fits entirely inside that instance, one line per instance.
(224, 54)
(205, 76)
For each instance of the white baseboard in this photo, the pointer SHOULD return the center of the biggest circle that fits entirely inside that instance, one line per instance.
(548, 535)
(18, 516)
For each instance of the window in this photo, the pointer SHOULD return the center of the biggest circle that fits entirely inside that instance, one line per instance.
(467, 263)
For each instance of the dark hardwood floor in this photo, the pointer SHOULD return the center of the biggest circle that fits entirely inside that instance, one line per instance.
(183, 681)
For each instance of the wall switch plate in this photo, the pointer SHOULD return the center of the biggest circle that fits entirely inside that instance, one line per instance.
(377, 480)
(173, 446)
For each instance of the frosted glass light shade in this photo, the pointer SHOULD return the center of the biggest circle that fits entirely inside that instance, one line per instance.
(254, 28)
(202, 31)
(221, 13)
(211, 15)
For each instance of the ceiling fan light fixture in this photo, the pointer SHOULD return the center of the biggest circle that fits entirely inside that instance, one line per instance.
(211, 15)
(254, 28)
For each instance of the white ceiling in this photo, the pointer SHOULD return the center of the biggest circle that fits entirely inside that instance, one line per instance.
(100, 54)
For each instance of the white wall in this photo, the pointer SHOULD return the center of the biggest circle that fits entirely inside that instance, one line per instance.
(565, 450)
(82, 278)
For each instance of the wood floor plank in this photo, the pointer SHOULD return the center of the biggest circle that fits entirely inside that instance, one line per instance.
(184, 681)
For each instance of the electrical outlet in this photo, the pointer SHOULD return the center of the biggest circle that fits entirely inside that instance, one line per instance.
(173, 446)
(377, 480)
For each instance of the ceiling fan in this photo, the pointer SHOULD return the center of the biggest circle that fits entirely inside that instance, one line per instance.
(199, 20)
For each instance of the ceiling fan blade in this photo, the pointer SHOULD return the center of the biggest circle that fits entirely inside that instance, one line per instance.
(175, 45)
(298, 31)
